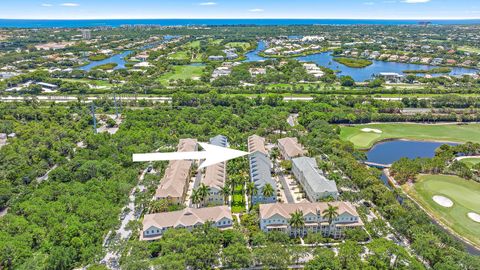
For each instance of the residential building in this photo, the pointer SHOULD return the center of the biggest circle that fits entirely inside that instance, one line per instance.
(276, 217)
(215, 58)
(221, 71)
(260, 170)
(215, 175)
(86, 34)
(154, 225)
(391, 77)
(290, 148)
(174, 184)
(257, 71)
(314, 183)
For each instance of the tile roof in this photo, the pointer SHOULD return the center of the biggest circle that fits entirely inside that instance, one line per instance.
(176, 175)
(186, 217)
(215, 175)
(291, 147)
(256, 144)
(286, 209)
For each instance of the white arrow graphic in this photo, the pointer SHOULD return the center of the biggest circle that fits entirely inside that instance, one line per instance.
(212, 154)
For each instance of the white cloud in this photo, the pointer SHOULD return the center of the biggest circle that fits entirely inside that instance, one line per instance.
(69, 5)
(415, 1)
(208, 4)
(369, 3)
(47, 5)
(256, 10)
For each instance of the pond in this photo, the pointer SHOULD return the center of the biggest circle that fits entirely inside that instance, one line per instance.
(253, 56)
(391, 151)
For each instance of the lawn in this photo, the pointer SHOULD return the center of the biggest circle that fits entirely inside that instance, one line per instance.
(463, 193)
(180, 55)
(471, 161)
(469, 49)
(238, 200)
(244, 45)
(426, 132)
(182, 72)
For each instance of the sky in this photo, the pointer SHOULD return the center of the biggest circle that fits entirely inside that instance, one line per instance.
(158, 9)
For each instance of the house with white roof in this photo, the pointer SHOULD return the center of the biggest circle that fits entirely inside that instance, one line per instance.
(314, 183)
(260, 170)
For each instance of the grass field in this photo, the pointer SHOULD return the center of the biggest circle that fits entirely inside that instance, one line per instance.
(238, 200)
(465, 195)
(182, 72)
(469, 49)
(244, 45)
(180, 55)
(446, 133)
(471, 161)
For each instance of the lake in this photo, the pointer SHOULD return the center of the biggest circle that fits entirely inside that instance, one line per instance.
(391, 151)
(119, 59)
(361, 74)
(358, 74)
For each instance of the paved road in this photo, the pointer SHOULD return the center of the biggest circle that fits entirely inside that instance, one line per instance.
(60, 99)
(112, 257)
(284, 183)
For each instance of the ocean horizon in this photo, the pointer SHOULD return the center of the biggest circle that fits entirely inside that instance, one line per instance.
(38, 23)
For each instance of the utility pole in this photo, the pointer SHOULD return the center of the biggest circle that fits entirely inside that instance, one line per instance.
(94, 119)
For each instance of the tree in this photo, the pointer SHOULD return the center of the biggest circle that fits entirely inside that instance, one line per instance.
(349, 255)
(347, 81)
(158, 206)
(268, 190)
(251, 191)
(202, 256)
(196, 199)
(203, 192)
(237, 256)
(330, 213)
(225, 191)
(324, 258)
(272, 256)
(296, 221)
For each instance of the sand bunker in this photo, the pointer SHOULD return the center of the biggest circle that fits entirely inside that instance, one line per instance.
(378, 131)
(443, 201)
(474, 216)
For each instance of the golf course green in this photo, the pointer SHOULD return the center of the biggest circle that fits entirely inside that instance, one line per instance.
(463, 193)
(365, 136)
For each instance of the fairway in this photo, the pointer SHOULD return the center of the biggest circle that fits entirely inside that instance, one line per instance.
(183, 73)
(469, 49)
(465, 195)
(424, 132)
(470, 161)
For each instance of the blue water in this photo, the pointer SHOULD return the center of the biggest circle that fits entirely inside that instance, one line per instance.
(361, 74)
(358, 74)
(173, 22)
(253, 56)
(119, 59)
(391, 151)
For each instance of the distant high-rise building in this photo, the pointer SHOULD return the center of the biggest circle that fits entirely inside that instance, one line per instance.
(86, 34)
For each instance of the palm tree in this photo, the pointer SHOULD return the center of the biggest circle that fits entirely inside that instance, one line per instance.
(195, 197)
(296, 221)
(225, 191)
(158, 206)
(268, 191)
(251, 191)
(331, 213)
(203, 192)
